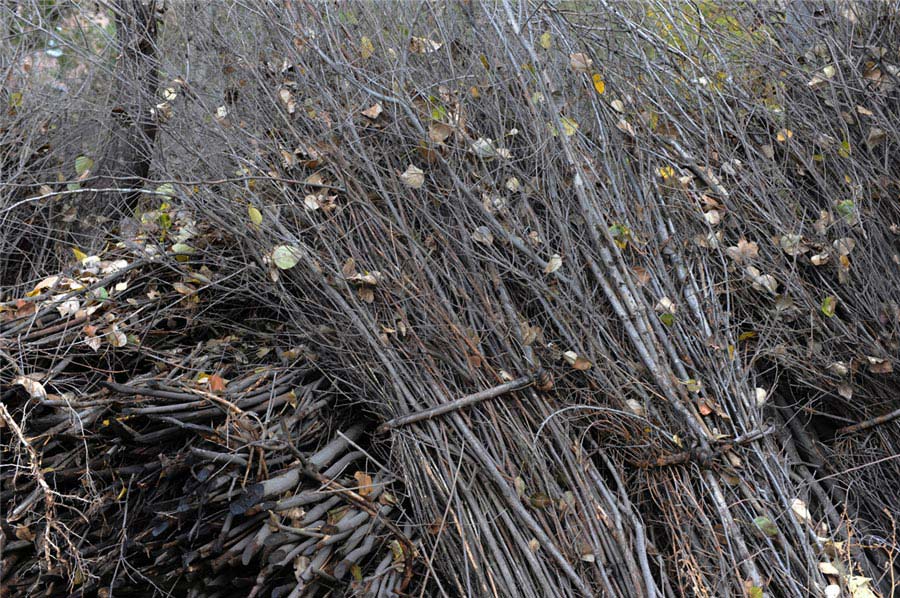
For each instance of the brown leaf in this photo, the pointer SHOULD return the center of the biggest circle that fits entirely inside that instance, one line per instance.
(363, 483)
(217, 383)
(439, 132)
(880, 366)
(373, 111)
(580, 62)
(744, 250)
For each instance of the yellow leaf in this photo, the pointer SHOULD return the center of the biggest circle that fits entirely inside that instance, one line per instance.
(79, 254)
(666, 172)
(569, 126)
(255, 215)
(783, 135)
(599, 84)
(546, 40)
(366, 48)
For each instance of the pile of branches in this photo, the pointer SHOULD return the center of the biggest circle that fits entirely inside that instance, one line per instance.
(149, 443)
(610, 287)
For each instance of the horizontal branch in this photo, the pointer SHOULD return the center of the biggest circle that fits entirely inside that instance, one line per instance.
(465, 401)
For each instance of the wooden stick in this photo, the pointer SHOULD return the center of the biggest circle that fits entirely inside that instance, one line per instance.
(465, 401)
(870, 423)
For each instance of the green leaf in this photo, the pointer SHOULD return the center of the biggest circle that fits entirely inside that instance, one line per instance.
(667, 318)
(285, 256)
(766, 526)
(829, 304)
(356, 572)
(755, 592)
(255, 215)
(847, 210)
(844, 150)
(83, 164)
(182, 249)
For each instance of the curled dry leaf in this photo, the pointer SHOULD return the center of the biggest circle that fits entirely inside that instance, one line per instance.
(423, 45)
(483, 235)
(373, 111)
(819, 259)
(875, 137)
(828, 569)
(116, 337)
(762, 282)
(761, 396)
(800, 510)
(665, 305)
(439, 132)
(879, 366)
(363, 483)
(34, 388)
(844, 245)
(68, 307)
(625, 126)
(553, 265)
(576, 361)
(367, 279)
(743, 251)
(635, 406)
(413, 177)
(580, 62)
(792, 245)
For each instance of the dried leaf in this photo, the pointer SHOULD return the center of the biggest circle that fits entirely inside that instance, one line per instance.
(743, 251)
(801, 511)
(599, 84)
(576, 361)
(875, 137)
(34, 388)
(116, 337)
(217, 383)
(373, 111)
(422, 45)
(483, 235)
(413, 177)
(625, 126)
(363, 483)
(879, 366)
(828, 569)
(792, 245)
(844, 245)
(438, 132)
(580, 62)
(553, 265)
